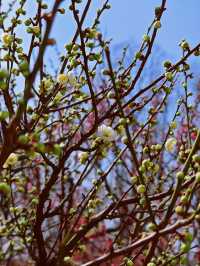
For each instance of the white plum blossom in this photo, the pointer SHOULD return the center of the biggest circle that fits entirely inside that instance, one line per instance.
(47, 84)
(106, 133)
(170, 144)
(66, 79)
(62, 79)
(7, 39)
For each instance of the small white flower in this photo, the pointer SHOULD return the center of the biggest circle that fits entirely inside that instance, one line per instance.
(170, 144)
(62, 79)
(47, 84)
(11, 160)
(67, 79)
(106, 133)
(7, 39)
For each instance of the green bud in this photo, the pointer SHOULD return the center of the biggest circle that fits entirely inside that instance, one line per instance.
(169, 76)
(141, 189)
(188, 236)
(24, 65)
(27, 22)
(151, 227)
(139, 55)
(180, 175)
(145, 149)
(157, 11)
(167, 90)
(68, 47)
(40, 147)
(4, 188)
(184, 199)
(34, 201)
(167, 64)
(146, 38)
(3, 74)
(197, 52)
(83, 157)
(91, 33)
(151, 264)
(184, 45)
(179, 209)
(185, 247)
(122, 121)
(129, 262)
(57, 149)
(158, 147)
(68, 260)
(157, 24)
(23, 139)
(186, 67)
(173, 125)
(196, 158)
(134, 179)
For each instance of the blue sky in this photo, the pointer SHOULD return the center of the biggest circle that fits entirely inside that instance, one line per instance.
(127, 20)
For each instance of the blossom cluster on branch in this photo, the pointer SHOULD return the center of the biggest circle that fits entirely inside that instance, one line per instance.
(96, 168)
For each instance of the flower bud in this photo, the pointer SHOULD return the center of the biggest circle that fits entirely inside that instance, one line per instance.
(151, 264)
(179, 209)
(83, 156)
(157, 24)
(141, 189)
(184, 45)
(3, 74)
(180, 175)
(167, 64)
(169, 76)
(134, 179)
(146, 38)
(4, 188)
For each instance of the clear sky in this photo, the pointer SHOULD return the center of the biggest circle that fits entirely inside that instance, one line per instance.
(128, 20)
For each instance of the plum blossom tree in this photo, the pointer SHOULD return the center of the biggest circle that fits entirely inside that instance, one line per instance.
(95, 168)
